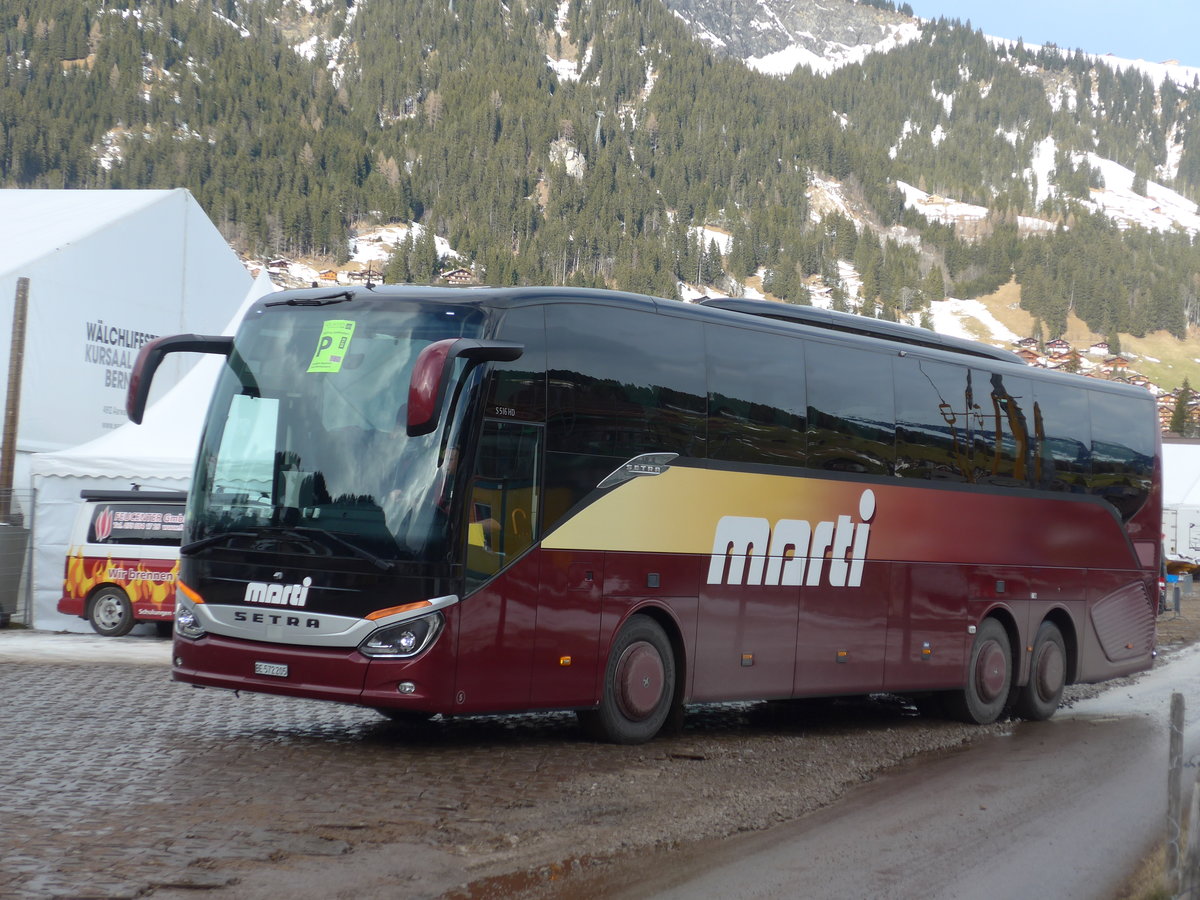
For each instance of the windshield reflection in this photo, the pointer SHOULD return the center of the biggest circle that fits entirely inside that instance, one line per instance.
(306, 450)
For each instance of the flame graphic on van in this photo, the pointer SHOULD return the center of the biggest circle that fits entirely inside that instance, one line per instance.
(145, 585)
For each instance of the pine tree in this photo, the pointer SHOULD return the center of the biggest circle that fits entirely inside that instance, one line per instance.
(1180, 419)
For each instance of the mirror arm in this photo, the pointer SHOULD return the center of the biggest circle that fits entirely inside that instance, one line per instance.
(150, 357)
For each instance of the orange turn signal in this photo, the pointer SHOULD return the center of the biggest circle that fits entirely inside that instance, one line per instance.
(393, 610)
(189, 592)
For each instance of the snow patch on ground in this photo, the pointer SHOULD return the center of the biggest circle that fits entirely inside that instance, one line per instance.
(1161, 209)
(950, 316)
(20, 645)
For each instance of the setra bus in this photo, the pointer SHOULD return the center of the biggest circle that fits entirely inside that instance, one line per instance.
(473, 500)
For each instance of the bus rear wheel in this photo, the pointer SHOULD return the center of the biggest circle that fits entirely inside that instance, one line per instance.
(639, 686)
(1047, 675)
(110, 612)
(989, 677)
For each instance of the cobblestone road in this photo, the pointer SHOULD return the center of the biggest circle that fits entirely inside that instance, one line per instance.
(118, 781)
(121, 783)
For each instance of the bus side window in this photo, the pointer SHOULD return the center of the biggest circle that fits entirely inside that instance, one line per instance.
(851, 409)
(1122, 456)
(756, 397)
(1062, 430)
(502, 510)
(932, 422)
(517, 390)
(1001, 429)
(622, 382)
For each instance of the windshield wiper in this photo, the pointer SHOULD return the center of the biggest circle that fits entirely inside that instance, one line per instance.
(314, 298)
(303, 533)
(361, 552)
(196, 546)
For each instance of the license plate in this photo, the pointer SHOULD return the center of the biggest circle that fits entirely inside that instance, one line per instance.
(277, 670)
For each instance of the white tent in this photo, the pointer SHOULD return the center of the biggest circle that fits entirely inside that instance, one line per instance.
(155, 455)
(1181, 473)
(1181, 501)
(107, 271)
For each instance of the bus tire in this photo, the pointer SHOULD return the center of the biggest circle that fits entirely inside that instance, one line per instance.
(639, 686)
(110, 612)
(1038, 699)
(989, 677)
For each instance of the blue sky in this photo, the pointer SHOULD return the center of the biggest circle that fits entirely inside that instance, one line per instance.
(1153, 30)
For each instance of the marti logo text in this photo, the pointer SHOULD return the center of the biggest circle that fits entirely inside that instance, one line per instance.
(278, 594)
(747, 550)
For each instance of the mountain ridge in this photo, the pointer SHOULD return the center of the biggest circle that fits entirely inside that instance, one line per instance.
(602, 142)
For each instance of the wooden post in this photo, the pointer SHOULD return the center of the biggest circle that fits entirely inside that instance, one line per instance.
(1191, 857)
(12, 408)
(1174, 792)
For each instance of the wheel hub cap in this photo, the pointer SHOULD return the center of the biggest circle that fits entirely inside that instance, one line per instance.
(1050, 670)
(108, 613)
(991, 675)
(640, 677)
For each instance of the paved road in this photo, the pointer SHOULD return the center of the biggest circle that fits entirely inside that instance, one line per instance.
(1064, 809)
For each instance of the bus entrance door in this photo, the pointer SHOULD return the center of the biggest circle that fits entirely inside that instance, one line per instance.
(497, 616)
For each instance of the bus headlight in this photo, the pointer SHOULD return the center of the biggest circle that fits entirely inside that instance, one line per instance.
(186, 623)
(405, 639)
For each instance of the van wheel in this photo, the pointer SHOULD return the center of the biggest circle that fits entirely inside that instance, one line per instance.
(110, 612)
(639, 686)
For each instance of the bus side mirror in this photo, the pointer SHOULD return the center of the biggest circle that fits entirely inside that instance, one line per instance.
(431, 375)
(151, 356)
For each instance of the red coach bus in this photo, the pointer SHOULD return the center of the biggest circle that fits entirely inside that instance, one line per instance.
(452, 501)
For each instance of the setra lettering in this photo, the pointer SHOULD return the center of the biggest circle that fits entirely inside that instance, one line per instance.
(262, 618)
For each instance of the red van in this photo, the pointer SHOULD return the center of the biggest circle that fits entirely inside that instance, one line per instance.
(123, 559)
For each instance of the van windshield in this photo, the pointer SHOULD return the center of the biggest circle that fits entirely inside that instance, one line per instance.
(305, 450)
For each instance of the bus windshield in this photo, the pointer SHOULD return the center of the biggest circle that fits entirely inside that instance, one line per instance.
(306, 451)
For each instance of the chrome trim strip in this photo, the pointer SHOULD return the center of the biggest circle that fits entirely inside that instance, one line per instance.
(299, 627)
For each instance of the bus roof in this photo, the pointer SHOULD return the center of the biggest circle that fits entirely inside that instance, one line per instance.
(852, 324)
(501, 297)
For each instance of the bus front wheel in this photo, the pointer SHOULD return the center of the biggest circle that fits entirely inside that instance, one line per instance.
(989, 677)
(639, 686)
(1047, 675)
(110, 612)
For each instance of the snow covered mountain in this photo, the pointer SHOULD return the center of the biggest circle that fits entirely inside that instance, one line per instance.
(775, 36)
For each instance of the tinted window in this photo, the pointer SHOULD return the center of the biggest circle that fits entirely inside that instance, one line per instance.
(932, 421)
(1123, 448)
(518, 389)
(1001, 429)
(570, 477)
(503, 508)
(1062, 438)
(624, 382)
(851, 414)
(756, 397)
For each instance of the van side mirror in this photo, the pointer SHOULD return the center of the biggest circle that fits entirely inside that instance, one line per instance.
(151, 356)
(431, 374)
